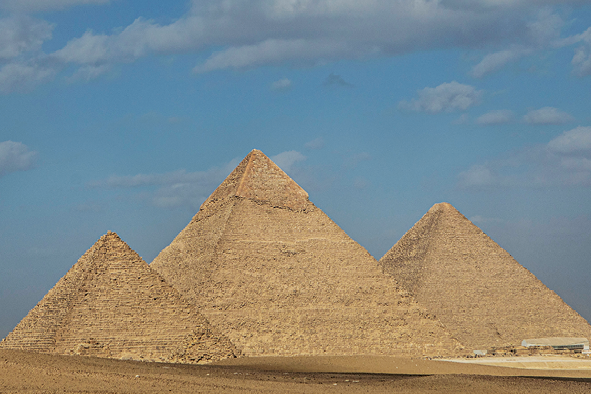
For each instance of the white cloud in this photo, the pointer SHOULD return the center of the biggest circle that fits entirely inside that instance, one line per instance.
(577, 164)
(537, 34)
(172, 189)
(495, 117)
(478, 176)
(317, 143)
(282, 84)
(447, 97)
(353, 159)
(572, 141)
(563, 161)
(274, 51)
(88, 49)
(299, 32)
(44, 5)
(582, 61)
(495, 61)
(462, 120)
(181, 188)
(21, 64)
(15, 156)
(19, 34)
(547, 115)
(286, 160)
(89, 72)
(23, 77)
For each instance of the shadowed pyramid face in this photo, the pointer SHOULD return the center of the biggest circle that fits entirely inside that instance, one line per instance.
(272, 272)
(112, 304)
(481, 294)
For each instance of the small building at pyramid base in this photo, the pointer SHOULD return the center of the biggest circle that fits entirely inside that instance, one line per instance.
(479, 292)
(112, 304)
(275, 275)
(558, 343)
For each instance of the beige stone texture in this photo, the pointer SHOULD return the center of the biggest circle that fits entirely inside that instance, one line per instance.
(112, 304)
(274, 274)
(479, 292)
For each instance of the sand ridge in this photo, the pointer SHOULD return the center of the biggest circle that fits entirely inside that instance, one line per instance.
(24, 372)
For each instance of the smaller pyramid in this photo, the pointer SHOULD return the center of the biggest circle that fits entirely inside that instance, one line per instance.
(112, 304)
(479, 292)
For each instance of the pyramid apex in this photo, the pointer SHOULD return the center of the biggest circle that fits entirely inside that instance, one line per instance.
(442, 205)
(110, 236)
(258, 178)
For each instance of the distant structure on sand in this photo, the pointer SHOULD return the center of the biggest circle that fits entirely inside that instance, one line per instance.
(112, 304)
(260, 270)
(481, 294)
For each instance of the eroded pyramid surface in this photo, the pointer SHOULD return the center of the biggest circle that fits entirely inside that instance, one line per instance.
(112, 304)
(479, 292)
(274, 274)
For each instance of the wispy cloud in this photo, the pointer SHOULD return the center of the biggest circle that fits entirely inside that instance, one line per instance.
(171, 189)
(182, 188)
(563, 161)
(577, 140)
(286, 160)
(44, 5)
(317, 143)
(497, 60)
(263, 32)
(581, 60)
(539, 33)
(495, 117)
(20, 34)
(15, 156)
(452, 96)
(547, 115)
(281, 85)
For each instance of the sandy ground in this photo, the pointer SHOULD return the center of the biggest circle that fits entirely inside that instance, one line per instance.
(548, 362)
(22, 372)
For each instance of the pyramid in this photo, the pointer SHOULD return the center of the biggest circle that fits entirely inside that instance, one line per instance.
(275, 275)
(112, 304)
(479, 292)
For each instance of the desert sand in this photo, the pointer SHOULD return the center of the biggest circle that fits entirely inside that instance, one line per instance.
(24, 372)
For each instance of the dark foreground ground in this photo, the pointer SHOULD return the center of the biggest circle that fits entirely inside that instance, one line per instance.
(22, 372)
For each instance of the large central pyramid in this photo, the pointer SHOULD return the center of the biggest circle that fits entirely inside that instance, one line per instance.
(112, 304)
(481, 294)
(275, 275)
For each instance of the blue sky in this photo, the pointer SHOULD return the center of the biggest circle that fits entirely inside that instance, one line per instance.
(125, 115)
